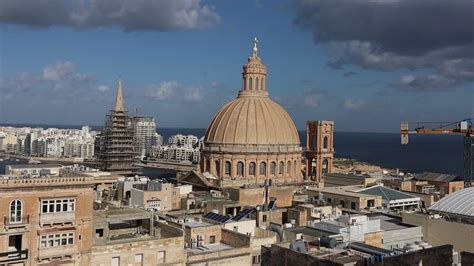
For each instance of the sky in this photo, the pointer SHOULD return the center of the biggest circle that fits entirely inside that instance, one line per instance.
(366, 64)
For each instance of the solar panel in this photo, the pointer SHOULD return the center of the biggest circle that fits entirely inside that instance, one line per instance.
(271, 205)
(242, 214)
(216, 217)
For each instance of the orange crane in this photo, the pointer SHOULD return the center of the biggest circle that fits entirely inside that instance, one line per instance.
(460, 127)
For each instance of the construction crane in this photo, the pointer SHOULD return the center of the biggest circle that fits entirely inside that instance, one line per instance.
(461, 127)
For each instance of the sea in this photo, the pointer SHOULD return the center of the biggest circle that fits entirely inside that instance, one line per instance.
(434, 153)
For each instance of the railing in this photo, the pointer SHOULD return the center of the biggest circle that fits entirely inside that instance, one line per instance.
(12, 256)
(16, 220)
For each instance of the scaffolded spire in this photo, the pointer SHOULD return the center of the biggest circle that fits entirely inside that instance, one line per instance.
(119, 100)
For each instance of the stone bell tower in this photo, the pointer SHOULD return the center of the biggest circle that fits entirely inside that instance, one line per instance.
(319, 149)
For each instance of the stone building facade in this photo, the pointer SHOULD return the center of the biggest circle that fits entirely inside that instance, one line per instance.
(252, 138)
(46, 220)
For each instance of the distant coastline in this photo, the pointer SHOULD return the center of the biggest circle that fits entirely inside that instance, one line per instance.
(434, 153)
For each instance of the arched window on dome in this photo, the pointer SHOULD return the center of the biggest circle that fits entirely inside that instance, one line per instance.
(250, 84)
(257, 84)
(272, 168)
(228, 168)
(16, 211)
(263, 168)
(281, 169)
(240, 168)
(288, 168)
(325, 142)
(252, 169)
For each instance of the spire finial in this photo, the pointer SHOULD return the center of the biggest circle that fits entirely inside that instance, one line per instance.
(255, 49)
(119, 100)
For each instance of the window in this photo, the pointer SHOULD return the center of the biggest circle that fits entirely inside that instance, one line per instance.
(228, 167)
(325, 166)
(281, 169)
(57, 240)
(314, 142)
(240, 168)
(218, 167)
(295, 168)
(212, 239)
(288, 168)
(252, 168)
(353, 205)
(256, 85)
(325, 142)
(250, 84)
(263, 168)
(264, 218)
(15, 211)
(161, 257)
(256, 259)
(115, 261)
(272, 168)
(58, 205)
(138, 259)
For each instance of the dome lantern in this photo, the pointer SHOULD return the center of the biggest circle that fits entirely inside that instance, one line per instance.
(254, 75)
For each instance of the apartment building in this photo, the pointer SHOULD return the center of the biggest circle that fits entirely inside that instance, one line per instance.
(45, 220)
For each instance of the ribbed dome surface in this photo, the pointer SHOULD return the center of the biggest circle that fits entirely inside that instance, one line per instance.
(252, 120)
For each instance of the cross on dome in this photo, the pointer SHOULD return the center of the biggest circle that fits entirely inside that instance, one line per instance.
(255, 49)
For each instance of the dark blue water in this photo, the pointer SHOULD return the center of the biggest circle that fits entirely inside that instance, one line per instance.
(436, 153)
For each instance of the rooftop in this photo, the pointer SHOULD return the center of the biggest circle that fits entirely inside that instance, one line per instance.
(346, 190)
(460, 202)
(429, 176)
(34, 166)
(388, 223)
(386, 193)
(208, 248)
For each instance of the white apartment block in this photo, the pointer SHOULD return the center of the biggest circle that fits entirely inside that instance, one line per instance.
(51, 142)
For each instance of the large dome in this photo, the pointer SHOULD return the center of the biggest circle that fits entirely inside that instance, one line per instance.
(252, 120)
(252, 138)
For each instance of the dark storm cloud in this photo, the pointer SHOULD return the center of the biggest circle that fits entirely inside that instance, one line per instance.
(129, 15)
(396, 34)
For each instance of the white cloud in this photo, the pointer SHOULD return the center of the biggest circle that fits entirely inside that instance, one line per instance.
(58, 70)
(103, 88)
(353, 104)
(164, 91)
(192, 94)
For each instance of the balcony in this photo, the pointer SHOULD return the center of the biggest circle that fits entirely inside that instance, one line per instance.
(13, 256)
(57, 218)
(16, 222)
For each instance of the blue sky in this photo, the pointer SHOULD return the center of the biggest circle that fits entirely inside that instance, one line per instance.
(181, 60)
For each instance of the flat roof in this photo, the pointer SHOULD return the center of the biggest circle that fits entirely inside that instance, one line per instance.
(345, 190)
(208, 248)
(388, 223)
(310, 231)
(21, 166)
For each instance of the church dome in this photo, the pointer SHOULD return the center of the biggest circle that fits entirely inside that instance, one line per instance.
(252, 138)
(253, 118)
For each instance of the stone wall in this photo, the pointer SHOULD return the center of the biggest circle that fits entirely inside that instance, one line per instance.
(440, 232)
(172, 250)
(467, 258)
(436, 256)
(235, 239)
